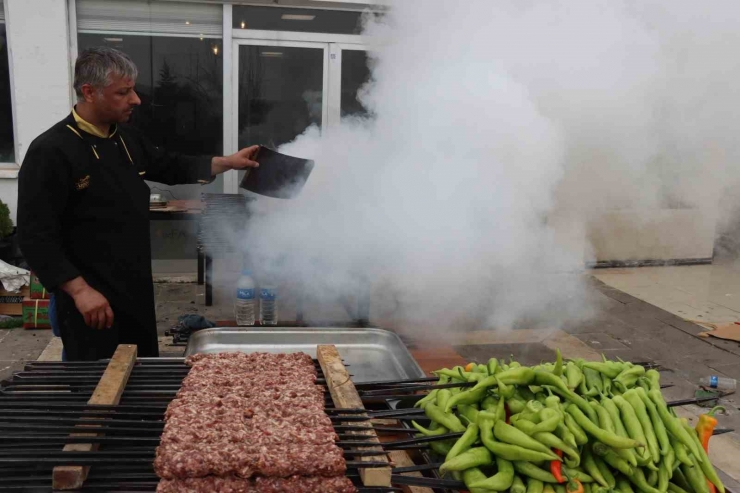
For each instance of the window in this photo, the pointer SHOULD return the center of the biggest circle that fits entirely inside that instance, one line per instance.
(301, 20)
(178, 50)
(7, 147)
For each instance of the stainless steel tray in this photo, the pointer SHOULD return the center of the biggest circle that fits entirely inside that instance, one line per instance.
(372, 354)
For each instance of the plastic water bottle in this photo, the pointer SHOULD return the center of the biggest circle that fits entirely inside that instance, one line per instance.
(268, 305)
(719, 383)
(245, 304)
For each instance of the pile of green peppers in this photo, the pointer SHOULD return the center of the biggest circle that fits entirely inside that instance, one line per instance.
(570, 426)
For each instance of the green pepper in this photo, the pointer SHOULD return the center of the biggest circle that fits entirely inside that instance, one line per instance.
(509, 434)
(705, 463)
(633, 398)
(549, 419)
(695, 477)
(485, 383)
(565, 435)
(548, 488)
(441, 430)
(605, 471)
(624, 486)
(589, 464)
(630, 421)
(534, 485)
(576, 474)
(654, 377)
(660, 432)
(432, 396)
(517, 486)
(443, 396)
(682, 455)
(492, 366)
(638, 479)
(611, 439)
(558, 370)
(516, 404)
(559, 488)
(474, 475)
(574, 375)
(611, 458)
(470, 396)
(554, 442)
(481, 369)
(605, 420)
(629, 376)
(505, 391)
(530, 470)
(673, 425)
(501, 481)
(680, 479)
(441, 447)
(610, 368)
(457, 373)
(489, 403)
(664, 476)
(676, 489)
(573, 427)
(544, 378)
(652, 478)
(449, 421)
(606, 384)
(626, 454)
(464, 442)
(474, 457)
(468, 412)
(516, 376)
(593, 382)
(508, 451)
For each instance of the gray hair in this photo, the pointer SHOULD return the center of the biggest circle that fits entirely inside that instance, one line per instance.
(95, 66)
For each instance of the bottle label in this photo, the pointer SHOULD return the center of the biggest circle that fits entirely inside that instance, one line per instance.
(713, 381)
(268, 294)
(245, 294)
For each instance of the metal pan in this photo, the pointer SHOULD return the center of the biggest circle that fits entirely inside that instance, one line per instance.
(278, 176)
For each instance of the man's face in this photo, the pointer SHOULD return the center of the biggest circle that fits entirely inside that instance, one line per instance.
(116, 102)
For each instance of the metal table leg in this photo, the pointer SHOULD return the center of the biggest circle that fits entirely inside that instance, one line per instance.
(209, 279)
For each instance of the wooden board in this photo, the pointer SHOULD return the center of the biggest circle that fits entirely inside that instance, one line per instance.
(401, 459)
(344, 394)
(108, 392)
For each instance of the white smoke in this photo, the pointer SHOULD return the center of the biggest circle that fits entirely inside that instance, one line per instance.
(491, 119)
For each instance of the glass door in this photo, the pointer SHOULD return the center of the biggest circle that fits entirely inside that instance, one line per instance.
(348, 73)
(279, 89)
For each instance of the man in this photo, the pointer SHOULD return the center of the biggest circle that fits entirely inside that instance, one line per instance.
(83, 210)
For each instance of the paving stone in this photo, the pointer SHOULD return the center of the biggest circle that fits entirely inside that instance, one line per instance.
(20, 344)
(601, 341)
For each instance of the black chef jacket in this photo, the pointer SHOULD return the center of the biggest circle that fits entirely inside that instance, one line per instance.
(83, 210)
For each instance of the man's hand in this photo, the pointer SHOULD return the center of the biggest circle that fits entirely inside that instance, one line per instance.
(240, 160)
(93, 306)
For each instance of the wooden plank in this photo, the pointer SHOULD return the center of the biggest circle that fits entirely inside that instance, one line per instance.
(107, 392)
(401, 459)
(344, 394)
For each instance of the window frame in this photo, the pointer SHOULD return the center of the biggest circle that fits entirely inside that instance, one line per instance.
(10, 169)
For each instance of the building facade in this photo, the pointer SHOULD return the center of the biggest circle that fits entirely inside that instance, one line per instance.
(214, 76)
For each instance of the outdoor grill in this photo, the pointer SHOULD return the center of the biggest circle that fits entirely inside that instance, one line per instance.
(48, 427)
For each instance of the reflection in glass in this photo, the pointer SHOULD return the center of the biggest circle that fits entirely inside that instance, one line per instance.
(355, 74)
(7, 150)
(280, 93)
(300, 20)
(181, 89)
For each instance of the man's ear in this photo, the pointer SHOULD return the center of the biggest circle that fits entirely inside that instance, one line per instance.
(88, 92)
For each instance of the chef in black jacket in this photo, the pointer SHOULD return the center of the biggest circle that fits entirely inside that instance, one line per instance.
(83, 210)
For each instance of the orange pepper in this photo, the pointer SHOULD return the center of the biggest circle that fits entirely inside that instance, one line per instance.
(574, 486)
(556, 467)
(469, 367)
(705, 426)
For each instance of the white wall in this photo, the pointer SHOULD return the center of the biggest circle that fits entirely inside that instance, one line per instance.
(38, 45)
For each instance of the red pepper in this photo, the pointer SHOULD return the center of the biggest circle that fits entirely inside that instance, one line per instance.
(705, 426)
(508, 414)
(556, 467)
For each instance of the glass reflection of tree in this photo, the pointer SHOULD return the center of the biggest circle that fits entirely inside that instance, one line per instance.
(253, 114)
(183, 112)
